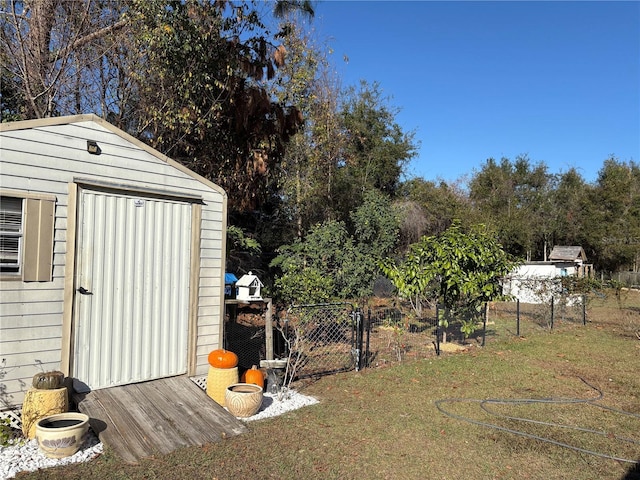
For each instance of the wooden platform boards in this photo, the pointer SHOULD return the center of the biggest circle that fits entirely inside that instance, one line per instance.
(156, 417)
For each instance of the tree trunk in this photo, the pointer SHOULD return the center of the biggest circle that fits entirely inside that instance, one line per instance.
(36, 57)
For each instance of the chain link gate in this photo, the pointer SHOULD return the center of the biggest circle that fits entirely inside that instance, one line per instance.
(323, 338)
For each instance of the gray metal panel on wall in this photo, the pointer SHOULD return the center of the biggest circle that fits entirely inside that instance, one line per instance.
(133, 261)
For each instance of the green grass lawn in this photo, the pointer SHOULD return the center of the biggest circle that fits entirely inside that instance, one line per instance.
(384, 423)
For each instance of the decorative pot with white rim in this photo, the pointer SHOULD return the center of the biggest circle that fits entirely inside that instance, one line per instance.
(61, 435)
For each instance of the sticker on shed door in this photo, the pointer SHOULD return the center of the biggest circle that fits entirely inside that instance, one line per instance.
(132, 289)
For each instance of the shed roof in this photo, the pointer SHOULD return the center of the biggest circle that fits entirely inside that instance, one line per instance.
(567, 253)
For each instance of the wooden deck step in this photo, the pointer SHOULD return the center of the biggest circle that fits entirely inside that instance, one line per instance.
(156, 417)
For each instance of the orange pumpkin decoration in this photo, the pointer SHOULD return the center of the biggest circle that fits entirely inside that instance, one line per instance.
(222, 358)
(253, 376)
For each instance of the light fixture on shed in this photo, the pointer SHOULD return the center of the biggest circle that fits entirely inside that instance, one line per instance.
(93, 148)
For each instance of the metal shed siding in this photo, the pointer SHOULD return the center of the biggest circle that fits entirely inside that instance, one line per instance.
(134, 325)
(44, 157)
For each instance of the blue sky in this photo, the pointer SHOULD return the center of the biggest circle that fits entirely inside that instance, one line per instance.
(556, 81)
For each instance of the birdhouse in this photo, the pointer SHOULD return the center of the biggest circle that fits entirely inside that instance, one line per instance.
(248, 288)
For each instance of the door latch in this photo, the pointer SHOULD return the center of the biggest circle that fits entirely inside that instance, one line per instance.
(84, 291)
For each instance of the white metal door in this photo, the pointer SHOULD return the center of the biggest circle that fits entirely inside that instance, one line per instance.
(132, 288)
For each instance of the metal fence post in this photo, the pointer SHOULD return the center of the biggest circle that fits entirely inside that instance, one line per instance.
(367, 355)
(437, 330)
(518, 317)
(484, 322)
(584, 309)
(359, 330)
(551, 313)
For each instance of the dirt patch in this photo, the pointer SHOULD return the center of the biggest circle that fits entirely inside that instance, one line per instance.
(251, 315)
(453, 347)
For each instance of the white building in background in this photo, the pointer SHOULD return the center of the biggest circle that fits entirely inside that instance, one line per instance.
(537, 282)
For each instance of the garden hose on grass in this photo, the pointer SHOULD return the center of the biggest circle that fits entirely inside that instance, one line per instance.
(484, 405)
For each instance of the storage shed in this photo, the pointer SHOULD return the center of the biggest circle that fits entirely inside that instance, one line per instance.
(537, 282)
(572, 254)
(572, 259)
(112, 258)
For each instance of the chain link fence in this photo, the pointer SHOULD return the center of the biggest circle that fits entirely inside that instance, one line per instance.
(245, 333)
(321, 339)
(628, 279)
(392, 336)
(327, 338)
(516, 318)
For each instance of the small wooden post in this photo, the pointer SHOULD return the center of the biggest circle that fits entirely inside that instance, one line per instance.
(268, 329)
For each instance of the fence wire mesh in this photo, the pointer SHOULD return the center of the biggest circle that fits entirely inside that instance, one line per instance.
(324, 338)
(393, 337)
(516, 318)
(321, 338)
(570, 309)
(245, 334)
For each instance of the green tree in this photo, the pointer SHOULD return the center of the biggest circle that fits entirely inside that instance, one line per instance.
(458, 269)
(429, 208)
(10, 99)
(375, 225)
(514, 198)
(332, 263)
(614, 223)
(308, 165)
(312, 269)
(204, 91)
(242, 250)
(317, 184)
(376, 150)
(571, 210)
(285, 8)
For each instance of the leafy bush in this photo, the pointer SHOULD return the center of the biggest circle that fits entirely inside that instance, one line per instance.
(8, 435)
(458, 269)
(330, 263)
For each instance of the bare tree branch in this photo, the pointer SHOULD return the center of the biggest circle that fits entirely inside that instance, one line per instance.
(93, 36)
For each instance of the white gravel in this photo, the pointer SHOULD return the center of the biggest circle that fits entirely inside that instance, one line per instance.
(272, 407)
(26, 456)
